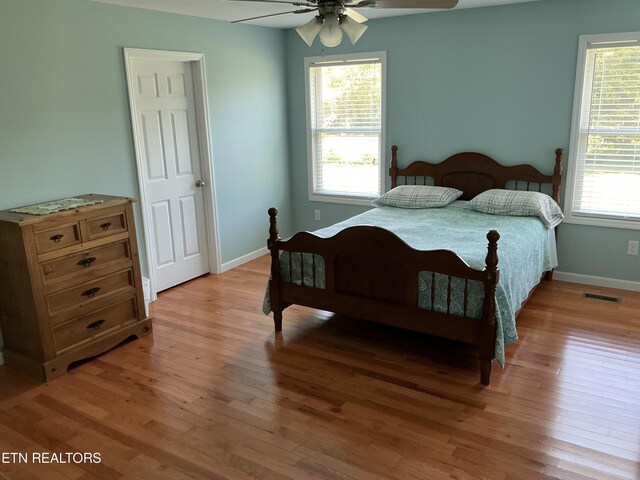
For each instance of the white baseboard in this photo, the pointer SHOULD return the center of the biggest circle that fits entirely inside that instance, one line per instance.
(597, 281)
(225, 267)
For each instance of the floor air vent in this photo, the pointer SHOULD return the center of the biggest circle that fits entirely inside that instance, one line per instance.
(602, 298)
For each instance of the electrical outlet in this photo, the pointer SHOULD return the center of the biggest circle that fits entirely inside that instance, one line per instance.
(632, 248)
(319, 217)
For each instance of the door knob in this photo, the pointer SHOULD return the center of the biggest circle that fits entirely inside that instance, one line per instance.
(200, 183)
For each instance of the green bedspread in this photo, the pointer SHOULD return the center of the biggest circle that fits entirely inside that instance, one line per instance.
(526, 250)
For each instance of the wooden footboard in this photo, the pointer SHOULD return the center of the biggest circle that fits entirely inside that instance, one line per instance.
(370, 273)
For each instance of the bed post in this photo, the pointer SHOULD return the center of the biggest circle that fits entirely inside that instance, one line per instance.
(556, 180)
(488, 337)
(557, 175)
(393, 171)
(274, 282)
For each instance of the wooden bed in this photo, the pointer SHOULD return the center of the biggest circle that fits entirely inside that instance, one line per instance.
(372, 274)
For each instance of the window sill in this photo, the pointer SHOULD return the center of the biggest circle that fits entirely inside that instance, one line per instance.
(345, 200)
(602, 222)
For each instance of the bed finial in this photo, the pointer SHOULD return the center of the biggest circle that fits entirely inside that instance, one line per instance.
(393, 171)
(557, 175)
(491, 261)
(273, 227)
(559, 156)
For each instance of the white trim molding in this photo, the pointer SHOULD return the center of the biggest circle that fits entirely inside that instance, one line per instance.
(597, 281)
(244, 259)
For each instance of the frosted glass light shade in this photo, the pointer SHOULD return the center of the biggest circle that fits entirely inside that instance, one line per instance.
(310, 30)
(353, 29)
(331, 33)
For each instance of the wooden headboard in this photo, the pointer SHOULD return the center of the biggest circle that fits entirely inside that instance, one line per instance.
(474, 173)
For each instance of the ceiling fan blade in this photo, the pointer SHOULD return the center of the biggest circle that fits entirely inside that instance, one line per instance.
(358, 17)
(444, 4)
(295, 4)
(305, 10)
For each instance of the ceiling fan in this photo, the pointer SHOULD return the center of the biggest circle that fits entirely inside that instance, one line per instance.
(337, 16)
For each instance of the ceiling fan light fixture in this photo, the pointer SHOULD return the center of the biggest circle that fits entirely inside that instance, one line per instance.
(310, 30)
(331, 33)
(353, 29)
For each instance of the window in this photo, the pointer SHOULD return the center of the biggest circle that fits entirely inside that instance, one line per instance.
(345, 115)
(604, 174)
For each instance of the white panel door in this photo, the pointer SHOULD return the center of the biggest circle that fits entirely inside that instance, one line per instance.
(168, 143)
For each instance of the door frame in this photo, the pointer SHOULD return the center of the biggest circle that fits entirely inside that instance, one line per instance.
(201, 102)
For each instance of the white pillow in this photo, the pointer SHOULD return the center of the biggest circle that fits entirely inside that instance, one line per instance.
(418, 196)
(520, 204)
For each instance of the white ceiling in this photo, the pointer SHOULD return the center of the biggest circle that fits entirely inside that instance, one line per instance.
(236, 10)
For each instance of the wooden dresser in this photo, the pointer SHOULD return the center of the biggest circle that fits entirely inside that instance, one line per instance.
(70, 285)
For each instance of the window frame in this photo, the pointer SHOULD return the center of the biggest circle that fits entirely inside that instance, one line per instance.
(336, 59)
(583, 44)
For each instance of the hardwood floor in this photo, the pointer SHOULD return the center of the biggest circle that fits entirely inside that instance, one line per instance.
(215, 394)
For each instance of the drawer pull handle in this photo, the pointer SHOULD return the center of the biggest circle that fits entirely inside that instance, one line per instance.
(105, 226)
(86, 262)
(91, 292)
(56, 238)
(95, 325)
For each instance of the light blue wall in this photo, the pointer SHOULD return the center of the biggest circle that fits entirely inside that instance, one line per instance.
(64, 117)
(498, 80)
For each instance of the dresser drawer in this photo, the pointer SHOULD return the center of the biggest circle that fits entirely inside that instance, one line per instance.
(89, 292)
(95, 324)
(82, 266)
(55, 238)
(105, 225)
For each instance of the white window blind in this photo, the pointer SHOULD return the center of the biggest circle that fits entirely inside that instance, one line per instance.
(346, 120)
(607, 169)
